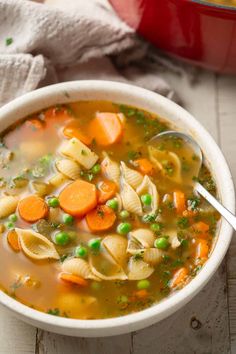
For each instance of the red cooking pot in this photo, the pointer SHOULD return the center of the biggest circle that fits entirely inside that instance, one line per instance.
(201, 33)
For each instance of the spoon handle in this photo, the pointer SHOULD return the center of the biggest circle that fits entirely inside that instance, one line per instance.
(218, 206)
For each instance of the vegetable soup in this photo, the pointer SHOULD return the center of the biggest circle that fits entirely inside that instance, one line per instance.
(96, 222)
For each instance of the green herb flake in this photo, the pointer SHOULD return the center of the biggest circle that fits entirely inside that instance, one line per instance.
(8, 41)
(183, 223)
(54, 312)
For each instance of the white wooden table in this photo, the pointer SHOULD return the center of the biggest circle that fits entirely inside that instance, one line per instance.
(207, 325)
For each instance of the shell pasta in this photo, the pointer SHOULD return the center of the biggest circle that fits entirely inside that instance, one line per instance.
(94, 223)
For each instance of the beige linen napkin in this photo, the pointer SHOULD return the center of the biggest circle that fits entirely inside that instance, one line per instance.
(42, 44)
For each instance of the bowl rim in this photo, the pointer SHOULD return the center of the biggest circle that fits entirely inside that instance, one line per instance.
(135, 321)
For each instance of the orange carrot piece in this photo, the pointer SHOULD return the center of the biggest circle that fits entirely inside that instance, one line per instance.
(73, 130)
(201, 229)
(141, 294)
(106, 129)
(106, 190)
(13, 240)
(100, 219)
(145, 166)
(202, 249)
(34, 123)
(74, 279)
(179, 202)
(32, 208)
(78, 198)
(179, 277)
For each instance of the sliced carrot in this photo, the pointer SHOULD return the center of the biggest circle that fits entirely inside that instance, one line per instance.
(179, 202)
(73, 130)
(141, 294)
(201, 229)
(35, 124)
(74, 279)
(106, 128)
(106, 190)
(32, 208)
(13, 240)
(78, 198)
(55, 116)
(100, 219)
(179, 277)
(145, 166)
(202, 249)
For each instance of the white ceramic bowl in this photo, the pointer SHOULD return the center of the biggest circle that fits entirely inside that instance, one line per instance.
(135, 96)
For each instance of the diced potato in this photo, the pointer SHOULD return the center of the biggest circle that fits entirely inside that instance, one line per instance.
(75, 149)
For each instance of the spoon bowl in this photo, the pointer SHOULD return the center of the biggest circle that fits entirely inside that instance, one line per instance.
(188, 140)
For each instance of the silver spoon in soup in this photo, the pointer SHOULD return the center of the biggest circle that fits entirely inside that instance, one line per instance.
(163, 141)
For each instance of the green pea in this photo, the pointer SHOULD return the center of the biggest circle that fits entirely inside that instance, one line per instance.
(81, 251)
(155, 227)
(9, 225)
(124, 228)
(62, 238)
(122, 299)
(124, 214)
(143, 284)
(94, 244)
(161, 243)
(53, 202)
(13, 217)
(96, 169)
(112, 203)
(146, 199)
(67, 219)
(95, 285)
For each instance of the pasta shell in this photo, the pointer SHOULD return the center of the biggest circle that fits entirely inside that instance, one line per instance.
(116, 245)
(105, 267)
(119, 201)
(35, 245)
(40, 188)
(130, 199)
(134, 247)
(144, 237)
(132, 177)
(138, 269)
(149, 187)
(69, 168)
(58, 180)
(78, 266)
(159, 156)
(111, 170)
(152, 256)
(8, 205)
(79, 152)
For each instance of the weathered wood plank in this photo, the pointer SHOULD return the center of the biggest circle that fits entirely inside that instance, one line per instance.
(226, 86)
(16, 337)
(49, 343)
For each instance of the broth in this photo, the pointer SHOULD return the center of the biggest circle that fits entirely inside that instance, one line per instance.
(93, 242)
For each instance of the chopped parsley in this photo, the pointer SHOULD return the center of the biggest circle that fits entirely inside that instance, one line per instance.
(8, 41)
(183, 223)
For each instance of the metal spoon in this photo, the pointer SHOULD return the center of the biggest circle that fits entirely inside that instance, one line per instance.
(229, 217)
